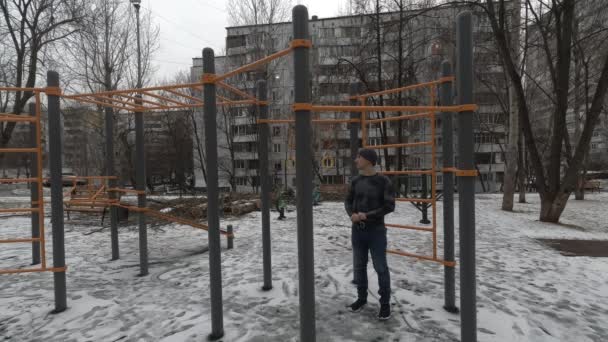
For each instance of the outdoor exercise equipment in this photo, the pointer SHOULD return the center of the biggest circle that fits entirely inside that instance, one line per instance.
(156, 98)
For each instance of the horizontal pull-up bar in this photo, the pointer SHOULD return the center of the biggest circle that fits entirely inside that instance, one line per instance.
(414, 144)
(317, 121)
(457, 108)
(21, 240)
(249, 66)
(401, 226)
(415, 200)
(32, 270)
(6, 117)
(422, 257)
(407, 172)
(402, 117)
(406, 88)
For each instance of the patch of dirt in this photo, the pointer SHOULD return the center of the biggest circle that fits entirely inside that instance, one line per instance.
(592, 248)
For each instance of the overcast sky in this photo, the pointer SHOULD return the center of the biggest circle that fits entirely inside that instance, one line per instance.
(187, 26)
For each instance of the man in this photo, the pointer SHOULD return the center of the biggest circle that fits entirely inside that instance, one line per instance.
(370, 198)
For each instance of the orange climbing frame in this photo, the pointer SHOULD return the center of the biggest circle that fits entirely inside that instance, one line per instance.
(37, 205)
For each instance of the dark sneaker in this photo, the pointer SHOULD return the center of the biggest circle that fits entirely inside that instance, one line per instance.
(385, 312)
(358, 305)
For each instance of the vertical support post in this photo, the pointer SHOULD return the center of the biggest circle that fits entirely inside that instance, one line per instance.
(109, 123)
(213, 219)
(304, 174)
(466, 185)
(55, 153)
(34, 188)
(140, 169)
(424, 184)
(354, 130)
(447, 132)
(230, 237)
(265, 178)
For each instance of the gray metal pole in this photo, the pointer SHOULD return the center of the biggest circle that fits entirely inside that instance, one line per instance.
(466, 185)
(304, 174)
(265, 177)
(230, 239)
(354, 130)
(213, 219)
(447, 132)
(140, 170)
(109, 122)
(55, 153)
(34, 189)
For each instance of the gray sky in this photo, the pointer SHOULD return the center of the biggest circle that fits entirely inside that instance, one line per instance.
(187, 26)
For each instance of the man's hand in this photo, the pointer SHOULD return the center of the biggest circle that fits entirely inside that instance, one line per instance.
(362, 217)
(355, 218)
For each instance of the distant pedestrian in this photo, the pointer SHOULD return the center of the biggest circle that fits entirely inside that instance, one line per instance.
(371, 196)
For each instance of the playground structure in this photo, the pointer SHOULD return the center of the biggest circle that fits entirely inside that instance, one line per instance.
(143, 100)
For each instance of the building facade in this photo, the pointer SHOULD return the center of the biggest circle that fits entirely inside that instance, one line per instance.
(346, 51)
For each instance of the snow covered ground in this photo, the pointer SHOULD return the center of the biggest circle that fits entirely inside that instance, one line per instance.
(526, 291)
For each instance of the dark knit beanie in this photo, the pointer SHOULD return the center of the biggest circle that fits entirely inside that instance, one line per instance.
(369, 155)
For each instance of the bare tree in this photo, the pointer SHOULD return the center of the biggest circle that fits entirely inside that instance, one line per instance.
(103, 57)
(27, 28)
(557, 171)
(256, 12)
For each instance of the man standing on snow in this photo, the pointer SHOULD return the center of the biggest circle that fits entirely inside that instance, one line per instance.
(370, 198)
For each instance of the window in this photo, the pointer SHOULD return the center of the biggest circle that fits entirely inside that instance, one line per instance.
(235, 41)
(276, 131)
(594, 146)
(276, 148)
(328, 162)
(293, 181)
(278, 166)
(239, 164)
(596, 133)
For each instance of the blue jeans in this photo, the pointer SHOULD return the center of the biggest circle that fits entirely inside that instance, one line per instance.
(371, 240)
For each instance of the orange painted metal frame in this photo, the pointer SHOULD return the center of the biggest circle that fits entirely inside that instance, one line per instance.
(38, 181)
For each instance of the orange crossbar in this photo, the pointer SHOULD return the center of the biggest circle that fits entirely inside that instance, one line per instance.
(401, 117)
(22, 89)
(235, 90)
(158, 104)
(20, 240)
(19, 210)
(407, 172)
(414, 200)
(32, 270)
(316, 121)
(455, 108)
(406, 88)
(253, 65)
(19, 150)
(18, 180)
(401, 226)
(422, 257)
(192, 98)
(17, 118)
(100, 103)
(127, 191)
(414, 144)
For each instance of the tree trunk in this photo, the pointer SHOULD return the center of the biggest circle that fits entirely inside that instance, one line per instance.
(510, 176)
(552, 206)
(521, 168)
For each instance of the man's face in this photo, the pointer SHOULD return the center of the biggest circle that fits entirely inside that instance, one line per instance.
(362, 163)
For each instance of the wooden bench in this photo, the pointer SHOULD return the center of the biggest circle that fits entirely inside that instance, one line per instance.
(593, 185)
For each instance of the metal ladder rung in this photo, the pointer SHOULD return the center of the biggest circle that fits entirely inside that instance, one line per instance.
(17, 118)
(21, 240)
(19, 210)
(20, 150)
(18, 180)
